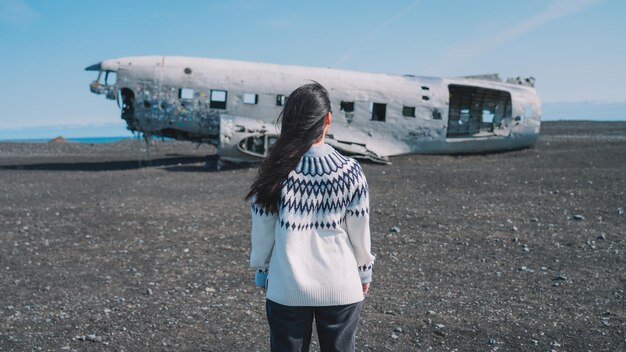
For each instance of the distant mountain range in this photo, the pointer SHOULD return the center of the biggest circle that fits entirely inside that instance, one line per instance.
(592, 111)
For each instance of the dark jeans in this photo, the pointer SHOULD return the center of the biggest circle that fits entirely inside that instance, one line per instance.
(291, 327)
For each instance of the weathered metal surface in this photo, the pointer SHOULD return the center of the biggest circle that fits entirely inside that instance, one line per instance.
(234, 104)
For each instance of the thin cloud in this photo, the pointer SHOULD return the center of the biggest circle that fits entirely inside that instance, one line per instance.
(18, 13)
(468, 50)
(347, 55)
(281, 23)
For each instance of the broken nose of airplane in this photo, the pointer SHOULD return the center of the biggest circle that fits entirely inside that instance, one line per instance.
(94, 67)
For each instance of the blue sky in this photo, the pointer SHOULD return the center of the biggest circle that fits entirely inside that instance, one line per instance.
(576, 49)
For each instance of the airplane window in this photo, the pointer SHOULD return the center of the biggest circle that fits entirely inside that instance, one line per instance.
(280, 100)
(488, 115)
(271, 140)
(185, 93)
(218, 99)
(218, 95)
(436, 114)
(250, 98)
(111, 78)
(408, 111)
(347, 106)
(379, 111)
(100, 78)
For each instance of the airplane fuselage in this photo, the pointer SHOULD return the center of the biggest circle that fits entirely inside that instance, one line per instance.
(234, 104)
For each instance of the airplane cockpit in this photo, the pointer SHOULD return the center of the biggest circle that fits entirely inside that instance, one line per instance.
(104, 83)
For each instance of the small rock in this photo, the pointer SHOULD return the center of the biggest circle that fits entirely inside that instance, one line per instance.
(394, 229)
(431, 312)
(619, 211)
(514, 228)
(394, 336)
(93, 338)
(560, 278)
(491, 342)
(148, 292)
(440, 326)
(534, 220)
(578, 217)
(535, 342)
(525, 248)
(602, 237)
(398, 329)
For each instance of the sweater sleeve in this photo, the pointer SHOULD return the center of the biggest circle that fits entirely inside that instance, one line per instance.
(262, 236)
(358, 226)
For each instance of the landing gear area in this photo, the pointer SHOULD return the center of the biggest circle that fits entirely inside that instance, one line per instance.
(213, 163)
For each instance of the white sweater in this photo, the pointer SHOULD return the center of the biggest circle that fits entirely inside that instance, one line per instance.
(316, 250)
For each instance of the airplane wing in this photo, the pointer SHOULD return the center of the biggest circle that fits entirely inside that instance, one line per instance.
(373, 145)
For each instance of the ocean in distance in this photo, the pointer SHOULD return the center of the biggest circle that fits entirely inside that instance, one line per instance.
(75, 140)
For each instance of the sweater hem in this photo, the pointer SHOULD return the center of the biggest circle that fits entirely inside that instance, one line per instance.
(317, 297)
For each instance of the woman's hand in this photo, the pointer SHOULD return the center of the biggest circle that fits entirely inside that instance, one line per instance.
(366, 288)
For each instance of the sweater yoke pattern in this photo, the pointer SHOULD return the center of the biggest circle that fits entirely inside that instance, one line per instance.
(321, 192)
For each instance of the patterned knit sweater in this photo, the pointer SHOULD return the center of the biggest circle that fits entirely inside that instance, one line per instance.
(316, 250)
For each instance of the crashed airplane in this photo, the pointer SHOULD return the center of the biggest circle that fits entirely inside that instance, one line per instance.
(233, 105)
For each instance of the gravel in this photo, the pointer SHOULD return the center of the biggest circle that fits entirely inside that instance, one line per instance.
(86, 233)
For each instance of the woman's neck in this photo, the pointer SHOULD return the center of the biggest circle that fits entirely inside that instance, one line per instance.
(320, 141)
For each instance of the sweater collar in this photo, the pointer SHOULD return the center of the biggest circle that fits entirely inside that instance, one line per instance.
(319, 150)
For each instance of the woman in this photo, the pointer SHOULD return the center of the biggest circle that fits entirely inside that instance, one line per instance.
(310, 231)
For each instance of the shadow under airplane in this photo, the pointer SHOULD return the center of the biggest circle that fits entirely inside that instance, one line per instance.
(113, 165)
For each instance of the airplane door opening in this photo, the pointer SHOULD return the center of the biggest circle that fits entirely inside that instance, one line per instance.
(475, 111)
(128, 108)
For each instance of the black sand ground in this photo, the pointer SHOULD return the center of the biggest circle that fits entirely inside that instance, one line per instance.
(99, 254)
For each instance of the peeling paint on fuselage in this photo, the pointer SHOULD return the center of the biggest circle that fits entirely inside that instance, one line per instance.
(172, 96)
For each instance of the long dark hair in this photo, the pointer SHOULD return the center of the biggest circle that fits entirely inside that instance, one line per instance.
(302, 124)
